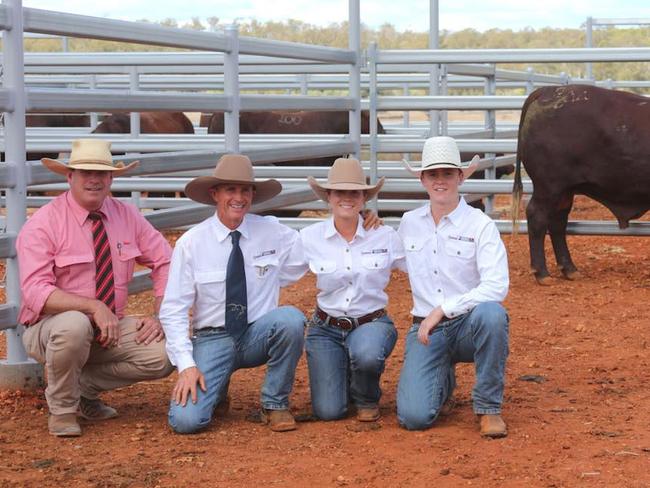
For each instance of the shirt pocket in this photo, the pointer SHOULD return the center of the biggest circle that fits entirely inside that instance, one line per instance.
(74, 270)
(417, 260)
(460, 249)
(211, 284)
(374, 261)
(124, 262)
(327, 279)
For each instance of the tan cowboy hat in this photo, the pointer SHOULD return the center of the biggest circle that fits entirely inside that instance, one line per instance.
(231, 168)
(89, 154)
(345, 174)
(442, 152)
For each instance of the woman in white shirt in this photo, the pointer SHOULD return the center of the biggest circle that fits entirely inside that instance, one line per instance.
(350, 335)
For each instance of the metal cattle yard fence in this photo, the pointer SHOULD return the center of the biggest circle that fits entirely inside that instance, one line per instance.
(228, 73)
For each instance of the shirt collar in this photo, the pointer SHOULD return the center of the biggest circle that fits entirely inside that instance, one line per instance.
(81, 214)
(455, 216)
(330, 229)
(223, 232)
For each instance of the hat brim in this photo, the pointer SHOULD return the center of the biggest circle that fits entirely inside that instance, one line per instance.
(199, 189)
(467, 170)
(60, 168)
(321, 189)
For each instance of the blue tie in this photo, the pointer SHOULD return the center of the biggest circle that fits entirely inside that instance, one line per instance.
(236, 304)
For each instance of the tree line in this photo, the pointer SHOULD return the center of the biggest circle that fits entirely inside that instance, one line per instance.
(388, 37)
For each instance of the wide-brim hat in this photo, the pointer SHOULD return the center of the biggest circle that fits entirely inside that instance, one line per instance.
(345, 174)
(91, 155)
(442, 152)
(231, 169)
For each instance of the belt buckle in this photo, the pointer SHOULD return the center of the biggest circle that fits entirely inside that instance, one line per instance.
(345, 323)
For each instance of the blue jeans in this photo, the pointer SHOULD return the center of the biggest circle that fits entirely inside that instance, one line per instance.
(275, 339)
(427, 379)
(343, 363)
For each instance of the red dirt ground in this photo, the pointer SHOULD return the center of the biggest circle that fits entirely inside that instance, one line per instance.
(585, 424)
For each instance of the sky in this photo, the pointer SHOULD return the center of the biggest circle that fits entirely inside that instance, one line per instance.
(412, 15)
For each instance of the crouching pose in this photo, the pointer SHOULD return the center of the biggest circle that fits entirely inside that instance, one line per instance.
(227, 271)
(458, 271)
(350, 335)
(76, 257)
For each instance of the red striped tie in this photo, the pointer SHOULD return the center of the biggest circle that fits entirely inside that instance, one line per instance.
(104, 285)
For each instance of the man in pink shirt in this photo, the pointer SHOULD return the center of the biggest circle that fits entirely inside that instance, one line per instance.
(76, 257)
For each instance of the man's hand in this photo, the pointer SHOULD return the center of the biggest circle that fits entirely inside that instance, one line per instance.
(187, 380)
(149, 330)
(371, 220)
(107, 323)
(428, 324)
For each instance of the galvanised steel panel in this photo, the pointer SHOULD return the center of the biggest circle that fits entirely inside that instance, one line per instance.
(445, 102)
(47, 22)
(573, 55)
(42, 99)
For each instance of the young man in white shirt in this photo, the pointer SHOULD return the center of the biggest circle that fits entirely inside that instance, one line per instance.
(228, 271)
(458, 270)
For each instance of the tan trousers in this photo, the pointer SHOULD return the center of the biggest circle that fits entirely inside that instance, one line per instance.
(76, 365)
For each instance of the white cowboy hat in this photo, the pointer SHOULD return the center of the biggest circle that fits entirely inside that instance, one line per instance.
(89, 154)
(442, 152)
(231, 168)
(345, 174)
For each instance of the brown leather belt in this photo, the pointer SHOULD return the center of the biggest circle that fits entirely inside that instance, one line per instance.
(349, 323)
(418, 320)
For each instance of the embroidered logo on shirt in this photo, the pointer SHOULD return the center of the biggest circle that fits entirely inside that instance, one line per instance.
(261, 270)
(462, 238)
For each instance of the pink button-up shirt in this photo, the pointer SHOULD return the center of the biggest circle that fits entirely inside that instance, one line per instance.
(55, 250)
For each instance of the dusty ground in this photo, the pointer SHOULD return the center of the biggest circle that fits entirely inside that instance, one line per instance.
(584, 422)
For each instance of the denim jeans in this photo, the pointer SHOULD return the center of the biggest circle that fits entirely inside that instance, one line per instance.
(427, 379)
(275, 339)
(346, 365)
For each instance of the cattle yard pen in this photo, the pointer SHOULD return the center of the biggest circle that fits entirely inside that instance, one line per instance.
(223, 74)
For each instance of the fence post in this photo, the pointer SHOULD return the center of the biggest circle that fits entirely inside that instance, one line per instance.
(134, 85)
(231, 90)
(94, 120)
(444, 90)
(17, 371)
(372, 122)
(354, 44)
(589, 42)
(434, 73)
(490, 125)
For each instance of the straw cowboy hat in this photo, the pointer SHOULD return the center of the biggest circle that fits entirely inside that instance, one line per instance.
(442, 152)
(345, 174)
(89, 154)
(231, 168)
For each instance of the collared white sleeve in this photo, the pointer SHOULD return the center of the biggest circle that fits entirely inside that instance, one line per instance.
(174, 311)
(293, 264)
(399, 256)
(492, 266)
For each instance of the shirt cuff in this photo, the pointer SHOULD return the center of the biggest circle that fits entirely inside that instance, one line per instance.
(185, 361)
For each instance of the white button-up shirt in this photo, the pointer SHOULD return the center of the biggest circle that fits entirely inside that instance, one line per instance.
(457, 264)
(351, 276)
(197, 277)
